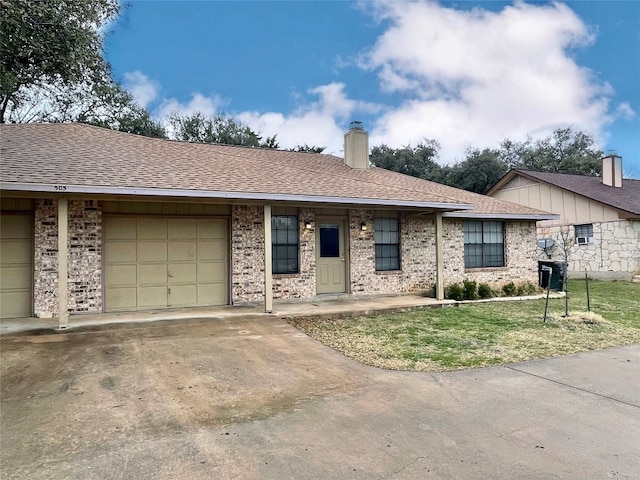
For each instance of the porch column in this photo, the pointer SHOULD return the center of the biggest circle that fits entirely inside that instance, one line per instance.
(63, 267)
(268, 290)
(439, 258)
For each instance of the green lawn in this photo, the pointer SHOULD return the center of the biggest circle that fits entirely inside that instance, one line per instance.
(482, 334)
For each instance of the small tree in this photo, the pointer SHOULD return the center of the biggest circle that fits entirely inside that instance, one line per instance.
(564, 242)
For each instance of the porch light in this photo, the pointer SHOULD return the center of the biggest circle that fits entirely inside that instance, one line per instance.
(363, 227)
(307, 224)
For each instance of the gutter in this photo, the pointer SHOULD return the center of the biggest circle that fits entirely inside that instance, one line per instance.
(503, 216)
(275, 197)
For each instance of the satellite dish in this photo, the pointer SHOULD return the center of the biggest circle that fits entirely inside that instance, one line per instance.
(545, 243)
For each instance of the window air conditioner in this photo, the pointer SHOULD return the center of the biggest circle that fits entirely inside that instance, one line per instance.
(582, 240)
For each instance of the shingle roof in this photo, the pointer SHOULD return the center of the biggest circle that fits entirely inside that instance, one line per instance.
(95, 160)
(626, 198)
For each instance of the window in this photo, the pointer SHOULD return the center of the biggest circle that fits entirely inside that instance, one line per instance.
(584, 234)
(483, 244)
(387, 239)
(284, 243)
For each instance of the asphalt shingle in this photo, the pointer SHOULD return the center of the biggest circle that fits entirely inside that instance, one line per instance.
(87, 156)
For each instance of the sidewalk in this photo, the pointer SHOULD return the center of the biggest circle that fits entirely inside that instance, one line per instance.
(331, 305)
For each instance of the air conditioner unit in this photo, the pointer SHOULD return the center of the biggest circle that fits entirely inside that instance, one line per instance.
(582, 240)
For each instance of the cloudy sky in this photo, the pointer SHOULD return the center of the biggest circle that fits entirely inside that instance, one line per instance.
(468, 74)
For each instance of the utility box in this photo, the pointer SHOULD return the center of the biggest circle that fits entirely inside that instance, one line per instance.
(556, 273)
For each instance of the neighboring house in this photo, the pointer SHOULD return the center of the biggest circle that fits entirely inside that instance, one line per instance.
(95, 220)
(600, 216)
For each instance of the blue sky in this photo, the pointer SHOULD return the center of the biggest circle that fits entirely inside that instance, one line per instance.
(467, 74)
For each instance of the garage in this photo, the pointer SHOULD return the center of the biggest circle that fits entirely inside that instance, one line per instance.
(159, 262)
(16, 265)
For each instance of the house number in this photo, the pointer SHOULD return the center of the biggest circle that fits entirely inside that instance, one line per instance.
(60, 188)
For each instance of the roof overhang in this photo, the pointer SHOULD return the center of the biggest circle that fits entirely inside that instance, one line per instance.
(221, 195)
(502, 216)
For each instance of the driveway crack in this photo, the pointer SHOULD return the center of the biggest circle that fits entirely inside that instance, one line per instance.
(573, 386)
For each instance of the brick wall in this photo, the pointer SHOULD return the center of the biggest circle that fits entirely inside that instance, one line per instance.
(247, 253)
(521, 263)
(84, 260)
(417, 257)
(303, 284)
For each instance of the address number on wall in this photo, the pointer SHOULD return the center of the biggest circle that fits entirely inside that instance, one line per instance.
(60, 188)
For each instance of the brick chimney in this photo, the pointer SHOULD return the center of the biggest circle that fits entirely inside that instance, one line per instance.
(356, 146)
(612, 171)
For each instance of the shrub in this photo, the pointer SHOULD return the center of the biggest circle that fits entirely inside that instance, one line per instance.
(484, 291)
(469, 290)
(520, 290)
(454, 292)
(510, 289)
(530, 288)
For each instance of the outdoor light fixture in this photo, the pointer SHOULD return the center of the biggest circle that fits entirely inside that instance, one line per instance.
(307, 224)
(363, 227)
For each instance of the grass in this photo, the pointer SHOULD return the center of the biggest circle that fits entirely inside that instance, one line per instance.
(484, 334)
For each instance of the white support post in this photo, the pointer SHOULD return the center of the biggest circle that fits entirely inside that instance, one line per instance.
(439, 259)
(63, 267)
(268, 281)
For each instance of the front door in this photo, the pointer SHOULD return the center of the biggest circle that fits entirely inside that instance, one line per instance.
(331, 255)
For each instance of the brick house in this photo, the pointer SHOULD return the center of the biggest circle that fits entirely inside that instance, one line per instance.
(599, 215)
(95, 220)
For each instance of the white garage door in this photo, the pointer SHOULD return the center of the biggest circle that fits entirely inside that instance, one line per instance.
(16, 265)
(165, 262)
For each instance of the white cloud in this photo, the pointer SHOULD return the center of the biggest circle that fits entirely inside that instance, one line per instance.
(625, 111)
(144, 90)
(198, 103)
(474, 77)
(318, 123)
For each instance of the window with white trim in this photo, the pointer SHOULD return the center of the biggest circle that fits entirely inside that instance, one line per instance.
(483, 244)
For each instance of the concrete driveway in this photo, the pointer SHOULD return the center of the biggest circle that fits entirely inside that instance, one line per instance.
(256, 399)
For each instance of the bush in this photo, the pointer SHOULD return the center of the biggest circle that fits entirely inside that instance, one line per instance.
(484, 291)
(454, 292)
(520, 290)
(469, 290)
(530, 288)
(510, 289)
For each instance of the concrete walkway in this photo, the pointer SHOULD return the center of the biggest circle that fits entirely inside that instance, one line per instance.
(341, 305)
(331, 305)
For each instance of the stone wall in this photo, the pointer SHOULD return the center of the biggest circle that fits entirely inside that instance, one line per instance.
(520, 256)
(84, 260)
(613, 253)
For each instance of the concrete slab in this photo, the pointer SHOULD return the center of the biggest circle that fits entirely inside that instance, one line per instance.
(257, 399)
(329, 305)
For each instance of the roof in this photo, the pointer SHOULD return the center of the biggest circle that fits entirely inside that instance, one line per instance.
(92, 160)
(625, 198)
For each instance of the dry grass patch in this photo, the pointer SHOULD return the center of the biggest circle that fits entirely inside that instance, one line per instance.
(484, 334)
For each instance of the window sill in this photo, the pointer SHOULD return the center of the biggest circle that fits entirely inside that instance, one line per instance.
(285, 275)
(388, 272)
(486, 269)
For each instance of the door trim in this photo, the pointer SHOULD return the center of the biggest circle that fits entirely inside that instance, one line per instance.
(344, 221)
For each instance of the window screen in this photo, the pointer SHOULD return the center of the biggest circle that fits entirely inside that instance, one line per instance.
(387, 240)
(584, 230)
(483, 244)
(284, 243)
